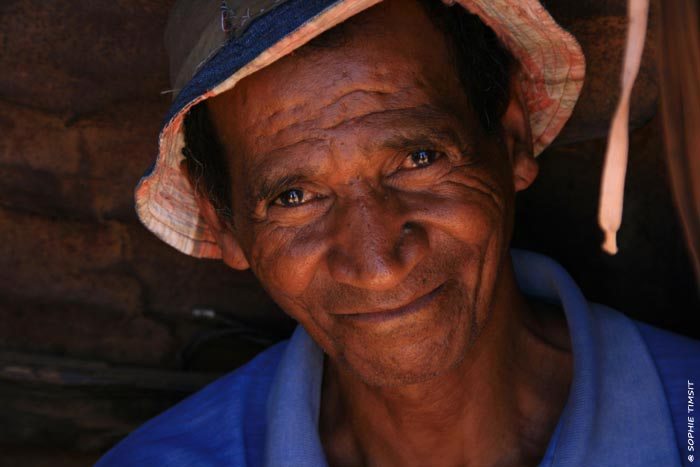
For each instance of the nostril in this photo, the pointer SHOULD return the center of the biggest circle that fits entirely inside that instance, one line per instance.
(377, 257)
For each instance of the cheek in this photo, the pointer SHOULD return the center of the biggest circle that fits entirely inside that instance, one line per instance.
(286, 260)
(470, 211)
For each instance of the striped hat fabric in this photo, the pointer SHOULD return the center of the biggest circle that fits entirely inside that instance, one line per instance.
(214, 45)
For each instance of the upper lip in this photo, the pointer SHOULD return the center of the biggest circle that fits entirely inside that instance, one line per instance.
(395, 308)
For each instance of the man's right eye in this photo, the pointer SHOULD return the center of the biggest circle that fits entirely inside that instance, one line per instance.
(290, 198)
(421, 159)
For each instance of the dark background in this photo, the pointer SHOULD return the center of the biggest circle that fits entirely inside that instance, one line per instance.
(100, 323)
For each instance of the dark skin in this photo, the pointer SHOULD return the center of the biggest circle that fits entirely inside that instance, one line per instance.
(377, 212)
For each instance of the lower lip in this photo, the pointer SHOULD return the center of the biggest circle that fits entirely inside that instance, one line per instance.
(413, 307)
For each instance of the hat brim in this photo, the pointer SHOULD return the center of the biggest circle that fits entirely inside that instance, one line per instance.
(552, 69)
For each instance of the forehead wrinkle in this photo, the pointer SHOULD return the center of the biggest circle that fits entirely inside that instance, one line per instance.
(399, 117)
(322, 75)
(390, 129)
(349, 103)
(383, 118)
(311, 143)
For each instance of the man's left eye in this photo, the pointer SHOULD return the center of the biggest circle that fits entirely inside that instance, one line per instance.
(421, 158)
(291, 198)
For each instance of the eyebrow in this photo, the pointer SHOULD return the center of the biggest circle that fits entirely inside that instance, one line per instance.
(269, 187)
(441, 132)
(267, 182)
(427, 136)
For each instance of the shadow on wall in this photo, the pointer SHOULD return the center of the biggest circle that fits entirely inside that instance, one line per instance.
(651, 278)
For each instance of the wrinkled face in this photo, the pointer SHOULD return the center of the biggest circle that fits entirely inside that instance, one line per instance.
(366, 197)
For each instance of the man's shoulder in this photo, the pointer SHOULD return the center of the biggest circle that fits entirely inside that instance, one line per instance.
(677, 360)
(667, 344)
(663, 344)
(649, 371)
(666, 347)
(217, 425)
(677, 357)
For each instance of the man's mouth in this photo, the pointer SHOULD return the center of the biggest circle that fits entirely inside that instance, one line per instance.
(386, 314)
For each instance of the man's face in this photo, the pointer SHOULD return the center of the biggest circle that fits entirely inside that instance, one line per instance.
(367, 199)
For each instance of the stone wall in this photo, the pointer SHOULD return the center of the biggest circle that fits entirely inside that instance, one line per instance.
(80, 109)
(96, 314)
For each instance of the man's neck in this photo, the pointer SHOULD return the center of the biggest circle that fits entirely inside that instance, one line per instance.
(498, 406)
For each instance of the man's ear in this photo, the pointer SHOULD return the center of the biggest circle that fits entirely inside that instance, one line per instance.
(518, 137)
(231, 251)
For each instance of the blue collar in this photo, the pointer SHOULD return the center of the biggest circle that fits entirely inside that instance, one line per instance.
(616, 413)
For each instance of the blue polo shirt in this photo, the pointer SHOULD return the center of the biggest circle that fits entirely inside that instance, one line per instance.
(628, 403)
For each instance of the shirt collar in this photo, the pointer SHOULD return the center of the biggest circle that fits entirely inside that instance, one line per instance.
(294, 405)
(616, 413)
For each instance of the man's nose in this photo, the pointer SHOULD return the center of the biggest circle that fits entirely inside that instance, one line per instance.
(375, 243)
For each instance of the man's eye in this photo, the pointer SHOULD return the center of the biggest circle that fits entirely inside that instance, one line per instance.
(421, 158)
(290, 198)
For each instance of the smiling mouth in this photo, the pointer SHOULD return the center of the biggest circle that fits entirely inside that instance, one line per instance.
(392, 313)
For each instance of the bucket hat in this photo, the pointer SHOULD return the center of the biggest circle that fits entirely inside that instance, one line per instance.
(212, 46)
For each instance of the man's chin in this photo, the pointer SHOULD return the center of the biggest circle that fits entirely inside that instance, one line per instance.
(403, 360)
(410, 348)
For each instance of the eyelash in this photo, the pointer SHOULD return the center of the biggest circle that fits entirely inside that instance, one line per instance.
(277, 201)
(424, 154)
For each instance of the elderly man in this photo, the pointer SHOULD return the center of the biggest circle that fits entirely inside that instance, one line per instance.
(362, 160)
